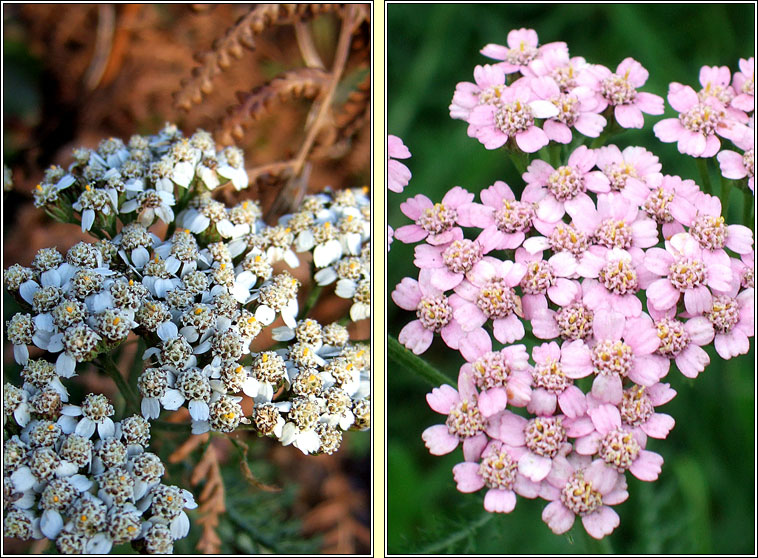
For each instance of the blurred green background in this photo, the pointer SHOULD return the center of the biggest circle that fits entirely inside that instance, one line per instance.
(704, 500)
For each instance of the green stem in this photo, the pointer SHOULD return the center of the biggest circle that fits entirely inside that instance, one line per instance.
(726, 191)
(702, 166)
(457, 535)
(132, 399)
(747, 217)
(169, 426)
(312, 299)
(406, 359)
(520, 160)
(595, 546)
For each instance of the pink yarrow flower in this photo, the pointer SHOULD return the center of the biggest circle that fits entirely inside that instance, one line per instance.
(744, 85)
(618, 446)
(449, 263)
(620, 348)
(504, 219)
(487, 89)
(434, 310)
(672, 204)
(587, 489)
(619, 90)
(733, 319)
(521, 50)
(710, 231)
(552, 387)
(556, 189)
(685, 269)
(568, 73)
(503, 377)
(632, 172)
(545, 279)
(512, 118)
(433, 221)
(498, 472)
(464, 422)
(487, 294)
(682, 341)
(612, 279)
(735, 165)
(545, 439)
(698, 122)
(398, 174)
(577, 108)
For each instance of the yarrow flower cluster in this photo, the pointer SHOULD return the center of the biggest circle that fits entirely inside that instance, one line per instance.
(198, 299)
(564, 264)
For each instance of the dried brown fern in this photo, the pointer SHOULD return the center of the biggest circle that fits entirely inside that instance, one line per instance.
(236, 39)
(211, 500)
(307, 83)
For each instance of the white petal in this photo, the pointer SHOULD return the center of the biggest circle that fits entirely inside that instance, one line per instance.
(199, 410)
(67, 424)
(80, 482)
(326, 276)
(291, 259)
(27, 290)
(283, 333)
(21, 354)
(288, 434)
(308, 442)
(265, 315)
(200, 426)
(151, 408)
(99, 544)
(23, 479)
(106, 428)
(88, 217)
(51, 523)
(85, 428)
(180, 526)
(140, 256)
(172, 399)
(345, 288)
(167, 330)
(65, 365)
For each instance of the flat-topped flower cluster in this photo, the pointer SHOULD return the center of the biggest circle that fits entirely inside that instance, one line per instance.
(610, 269)
(197, 300)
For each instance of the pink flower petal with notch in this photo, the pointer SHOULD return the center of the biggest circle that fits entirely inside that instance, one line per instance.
(692, 361)
(499, 501)
(572, 401)
(467, 477)
(474, 446)
(607, 388)
(534, 467)
(507, 330)
(658, 425)
(441, 399)
(416, 337)
(438, 440)
(558, 517)
(492, 401)
(629, 116)
(601, 522)
(647, 466)
(531, 140)
(605, 418)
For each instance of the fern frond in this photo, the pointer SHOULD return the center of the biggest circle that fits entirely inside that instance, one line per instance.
(306, 83)
(235, 40)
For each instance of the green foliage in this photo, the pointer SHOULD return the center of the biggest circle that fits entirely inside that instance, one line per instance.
(703, 501)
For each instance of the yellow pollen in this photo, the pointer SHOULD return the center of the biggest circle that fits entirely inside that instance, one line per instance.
(131, 528)
(39, 187)
(572, 236)
(157, 258)
(51, 427)
(116, 320)
(264, 358)
(56, 499)
(288, 229)
(257, 258)
(238, 369)
(122, 478)
(306, 351)
(131, 282)
(364, 189)
(521, 46)
(83, 518)
(198, 311)
(251, 320)
(69, 309)
(244, 205)
(88, 187)
(626, 74)
(223, 266)
(361, 353)
(349, 218)
(170, 498)
(312, 378)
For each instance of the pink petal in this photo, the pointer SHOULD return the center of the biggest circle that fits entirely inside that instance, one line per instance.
(628, 116)
(507, 330)
(601, 522)
(499, 501)
(407, 294)
(692, 361)
(649, 103)
(647, 466)
(558, 517)
(691, 143)
(474, 446)
(576, 359)
(572, 401)
(698, 299)
(475, 344)
(557, 131)
(534, 467)
(589, 124)
(410, 234)
(608, 325)
(739, 239)
(662, 295)
(602, 477)
(645, 371)
(531, 140)
(492, 401)
(587, 445)
(439, 440)
(511, 429)
(467, 477)
(542, 403)
(731, 344)
(607, 389)
(416, 337)
(469, 316)
(658, 426)
(605, 418)
(441, 399)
